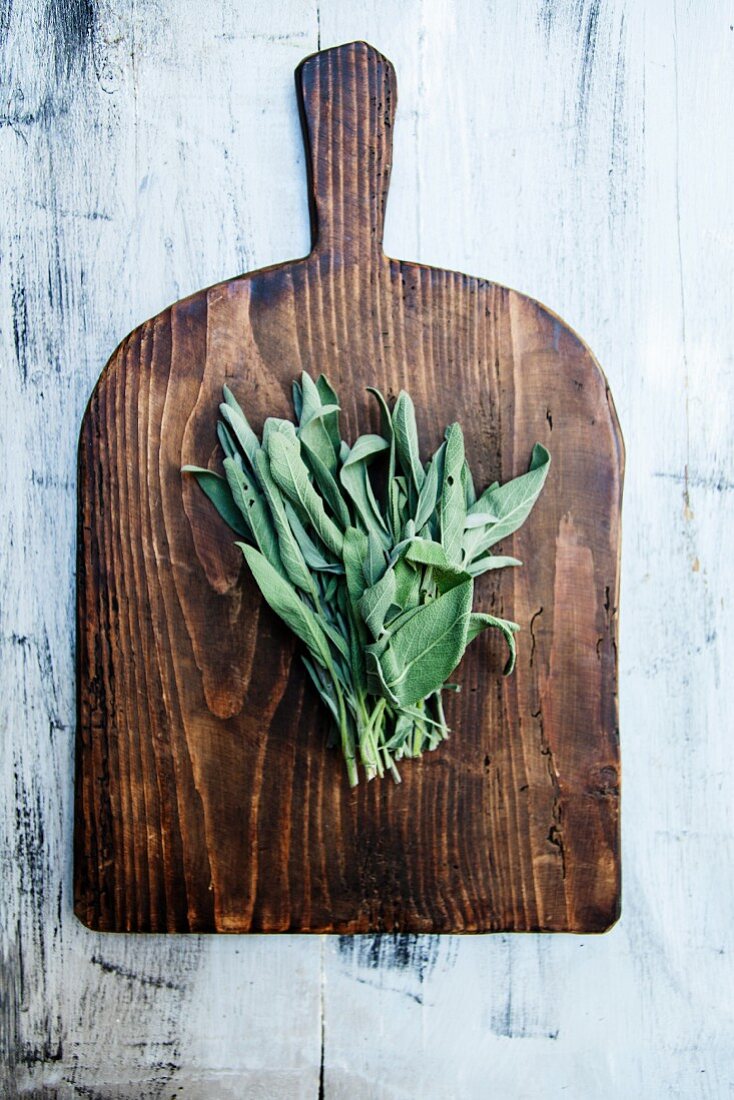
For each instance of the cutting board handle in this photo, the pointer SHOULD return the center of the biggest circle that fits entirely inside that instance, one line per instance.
(347, 97)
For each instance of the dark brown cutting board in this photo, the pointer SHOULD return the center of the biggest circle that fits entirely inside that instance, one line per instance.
(205, 798)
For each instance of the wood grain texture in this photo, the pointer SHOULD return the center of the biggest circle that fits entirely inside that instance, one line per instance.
(206, 800)
(578, 150)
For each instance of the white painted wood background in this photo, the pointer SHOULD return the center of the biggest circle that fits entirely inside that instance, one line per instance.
(579, 150)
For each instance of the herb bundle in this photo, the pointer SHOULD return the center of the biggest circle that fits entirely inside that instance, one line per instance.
(377, 585)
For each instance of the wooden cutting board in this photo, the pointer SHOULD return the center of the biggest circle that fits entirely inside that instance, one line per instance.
(206, 800)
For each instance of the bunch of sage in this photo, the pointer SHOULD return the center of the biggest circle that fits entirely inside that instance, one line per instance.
(377, 585)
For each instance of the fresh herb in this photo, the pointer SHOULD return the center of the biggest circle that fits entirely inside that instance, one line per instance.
(377, 585)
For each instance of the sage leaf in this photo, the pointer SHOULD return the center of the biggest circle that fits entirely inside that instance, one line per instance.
(327, 487)
(376, 601)
(374, 562)
(354, 554)
(226, 441)
(445, 572)
(480, 519)
(428, 496)
(338, 641)
(490, 561)
(311, 398)
(452, 509)
(219, 493)
(291, 475)
(236, 421)
(423, 652)
(407, 584)
(356, 483)
(386, 428)
(385, 414)
(366, 447)
(398, 504)
(312, 555)
(297, 394)
(291, 554)
(470, 493)
(406, 442)
(511, 502)
(326, 391)
(315, 434)
(480, 621)
(319, 400)
(251, 504)
(325, 690)
(284, 601)
(376, 682)
(276, 425)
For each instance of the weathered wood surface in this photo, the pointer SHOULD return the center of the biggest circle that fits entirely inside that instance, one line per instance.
(206, 800)
(582, 152)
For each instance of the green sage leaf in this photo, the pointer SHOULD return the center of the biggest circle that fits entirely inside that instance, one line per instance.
(445, 572)
(452, 508)
(315, 559)
(311, 397)
(276, 425)
(354, 554)
(251, 504)
(470, 493)
(406, 442)
(327, 486)
(512, 502)
(375, 561)
(480, 621)
(279, 594)
(323, 687)
(366, 447)
(326, 391)
(490, 561)
(422, 653)
(291, 555)
(297, 395)
(377, 601)
(237, 422)
(291, 475)
(355, 481)
(428, 497)
(480, 519)
(226, 441)
(319, 400)
(315, 434)
(407, 584)
(217, 490)
(398, 504)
